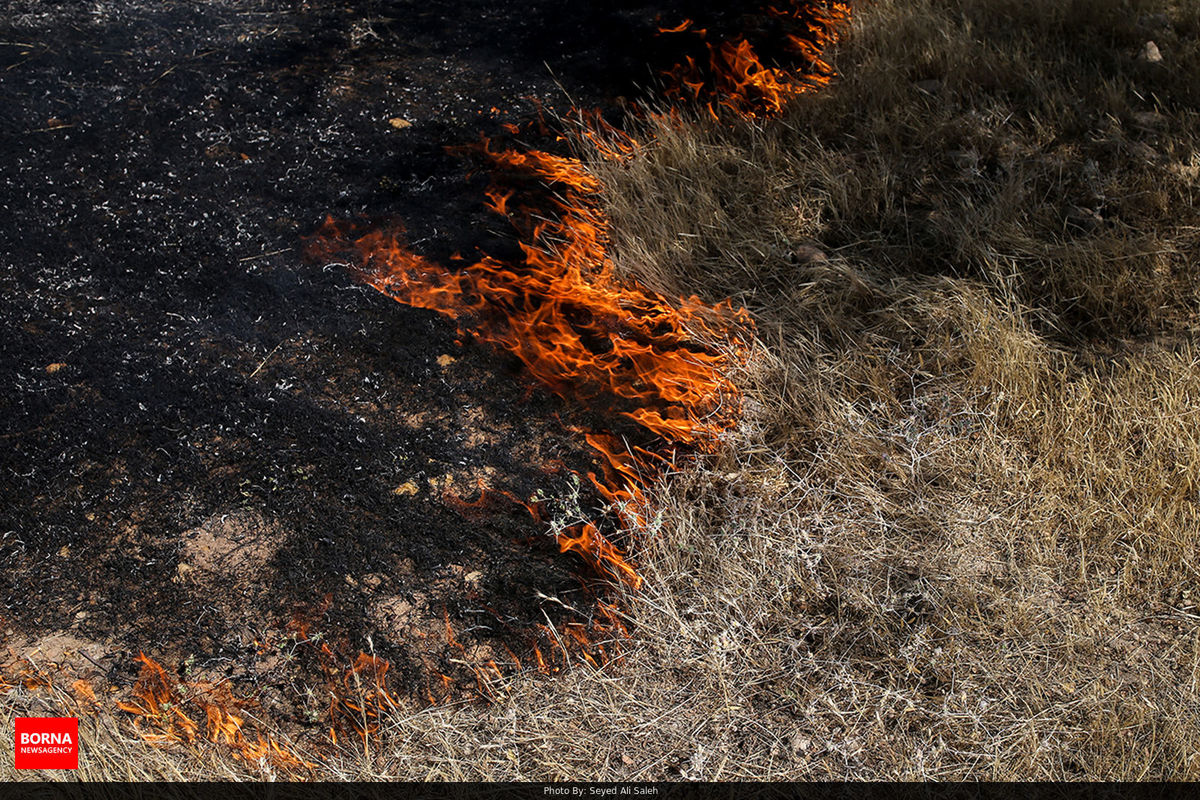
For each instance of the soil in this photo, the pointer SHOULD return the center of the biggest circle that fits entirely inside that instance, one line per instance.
(211, 449)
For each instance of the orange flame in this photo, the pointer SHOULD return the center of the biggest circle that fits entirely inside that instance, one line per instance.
(736, 77)
(159, 702)
(578, 329)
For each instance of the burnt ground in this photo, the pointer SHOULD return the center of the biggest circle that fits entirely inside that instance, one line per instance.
(208, 444)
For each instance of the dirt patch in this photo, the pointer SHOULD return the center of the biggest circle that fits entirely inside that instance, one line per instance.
(235, 546)
(60, 649)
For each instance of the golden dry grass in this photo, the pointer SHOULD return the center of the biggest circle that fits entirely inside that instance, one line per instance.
(957, 533)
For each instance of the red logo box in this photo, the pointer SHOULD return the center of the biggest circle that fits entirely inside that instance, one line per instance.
(47, 743)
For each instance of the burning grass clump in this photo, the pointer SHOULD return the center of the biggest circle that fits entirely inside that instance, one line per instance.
(581, 332)
(777, 52)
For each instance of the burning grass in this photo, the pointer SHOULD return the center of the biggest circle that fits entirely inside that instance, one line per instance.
(735, 76)
(561, 309)
(955, 532)
(611, 344)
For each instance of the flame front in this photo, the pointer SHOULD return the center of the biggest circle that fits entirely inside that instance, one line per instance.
(735, 77)
(561, 308)
(576, 327)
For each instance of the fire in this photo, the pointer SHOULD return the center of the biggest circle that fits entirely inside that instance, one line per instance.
(163, 705)
(361, 697)
(577, 328)
(734, 76)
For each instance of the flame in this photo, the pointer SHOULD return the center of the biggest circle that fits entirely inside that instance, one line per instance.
(735, 76)
(159, 702)
(363, 698)
(577, 328)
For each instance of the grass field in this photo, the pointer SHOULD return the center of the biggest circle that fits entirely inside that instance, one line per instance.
(957, 534)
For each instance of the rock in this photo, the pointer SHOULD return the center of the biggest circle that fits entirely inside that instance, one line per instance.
(1150, 54)
(807, 255)
(55, 367)
(1144, 152)
(1084, 219)
(399, 123)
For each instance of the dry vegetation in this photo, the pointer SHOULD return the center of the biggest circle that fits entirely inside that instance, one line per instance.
(957, 534)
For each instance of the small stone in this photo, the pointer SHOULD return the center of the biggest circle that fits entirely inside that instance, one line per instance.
(445, 360)
(1144, 152)
(1084, 219)
(808, 255)
(55, 367)
(1150, 54)
(399, 123)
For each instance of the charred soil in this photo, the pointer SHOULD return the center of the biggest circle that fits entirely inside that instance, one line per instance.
(217, 452)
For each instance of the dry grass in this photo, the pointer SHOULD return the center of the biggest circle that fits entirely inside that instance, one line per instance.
(957, 535)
